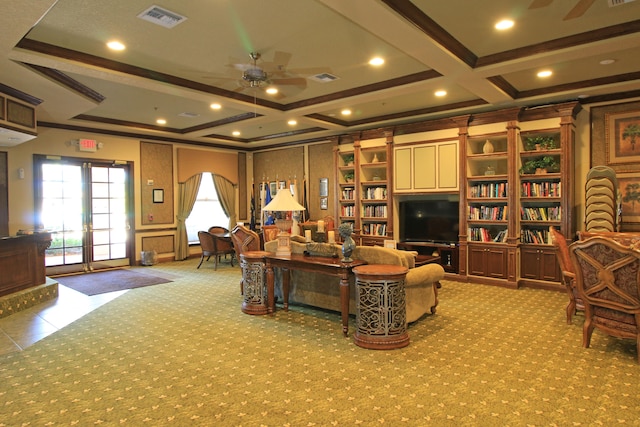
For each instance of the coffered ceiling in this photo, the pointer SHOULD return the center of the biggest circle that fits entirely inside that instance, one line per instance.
(316, 53)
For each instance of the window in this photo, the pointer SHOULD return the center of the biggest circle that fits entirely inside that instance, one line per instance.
(207, 210)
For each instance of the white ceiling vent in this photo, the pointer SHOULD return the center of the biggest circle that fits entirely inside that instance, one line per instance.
(161, 16)
(189, 114)
(618, 2)
(324, 77)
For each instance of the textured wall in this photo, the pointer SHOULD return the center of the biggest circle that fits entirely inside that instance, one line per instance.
(156, 164)
(321, 166)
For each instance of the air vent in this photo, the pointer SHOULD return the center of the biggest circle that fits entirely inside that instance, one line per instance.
(162, 17)
(618, 2)
(189, 114)
(324, 77)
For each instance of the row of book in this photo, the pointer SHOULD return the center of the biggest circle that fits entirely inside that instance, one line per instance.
(347, 210)
(492, 213)
(348, 193)
(541, 189)
(377, 193)
(490, 190)
(481, 234)
(375, 211)
(374, 229)
(551, 213)
(534, 236)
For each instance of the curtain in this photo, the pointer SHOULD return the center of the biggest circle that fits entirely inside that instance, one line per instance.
(187, 195)
(227, 196)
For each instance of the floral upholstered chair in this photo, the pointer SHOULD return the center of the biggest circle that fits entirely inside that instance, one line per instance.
(608, 280)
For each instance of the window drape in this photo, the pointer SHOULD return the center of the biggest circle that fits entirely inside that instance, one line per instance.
(227, 197)
(187, 195)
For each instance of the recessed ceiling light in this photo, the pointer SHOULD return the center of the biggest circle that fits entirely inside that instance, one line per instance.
(271, 90)
(440, 92)
(544, 73)
(115, 45)
(292, 122)
(161, 121)
(376, 62)
(346, 112)
(505, 24)
(215, 106)
(607, 61)
(235, 133)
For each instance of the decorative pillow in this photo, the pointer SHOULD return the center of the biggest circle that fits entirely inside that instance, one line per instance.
(323, 249)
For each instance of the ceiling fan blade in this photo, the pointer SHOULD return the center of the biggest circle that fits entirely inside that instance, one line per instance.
(294, 81)
(281, 59)
(310, 71)
(579, 9)
(535, 4)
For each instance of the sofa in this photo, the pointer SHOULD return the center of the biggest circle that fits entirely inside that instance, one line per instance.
(319, 290)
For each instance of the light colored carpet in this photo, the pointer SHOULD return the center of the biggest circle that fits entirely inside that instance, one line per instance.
(183, 353)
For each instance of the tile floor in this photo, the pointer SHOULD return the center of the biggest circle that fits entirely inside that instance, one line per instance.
(22, 329)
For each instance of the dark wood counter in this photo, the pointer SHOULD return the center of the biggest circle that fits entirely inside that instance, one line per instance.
(22, 261)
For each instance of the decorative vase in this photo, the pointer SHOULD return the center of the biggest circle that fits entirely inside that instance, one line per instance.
(375, 158)
(487, 148)
(347, 249)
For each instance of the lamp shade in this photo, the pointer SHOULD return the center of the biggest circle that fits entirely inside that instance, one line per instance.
(283, 202)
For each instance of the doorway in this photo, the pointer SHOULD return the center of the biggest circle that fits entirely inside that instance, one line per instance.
(87, 207)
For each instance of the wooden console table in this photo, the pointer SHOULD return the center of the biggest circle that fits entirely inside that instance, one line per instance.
(316, 264)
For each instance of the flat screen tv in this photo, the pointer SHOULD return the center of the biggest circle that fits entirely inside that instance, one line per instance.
(429, 220)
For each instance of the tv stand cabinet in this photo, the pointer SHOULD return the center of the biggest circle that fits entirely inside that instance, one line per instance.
(448, 253)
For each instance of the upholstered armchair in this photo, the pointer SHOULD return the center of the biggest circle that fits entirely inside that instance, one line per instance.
(568, 273)
(216, 243)
(608, 280)
(244, 240)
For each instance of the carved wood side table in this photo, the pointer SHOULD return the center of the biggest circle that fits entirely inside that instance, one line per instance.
(381, 311)
(254, 300)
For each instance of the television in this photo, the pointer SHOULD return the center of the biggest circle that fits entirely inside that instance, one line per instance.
(429, 220)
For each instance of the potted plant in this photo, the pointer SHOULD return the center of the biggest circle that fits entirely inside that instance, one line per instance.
(539, 165)
(540, 143)
(348, 176)
(348, 159)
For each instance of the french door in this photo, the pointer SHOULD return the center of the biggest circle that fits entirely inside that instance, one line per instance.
(87, 207)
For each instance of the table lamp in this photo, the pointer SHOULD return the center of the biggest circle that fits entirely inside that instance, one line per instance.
(283, 202)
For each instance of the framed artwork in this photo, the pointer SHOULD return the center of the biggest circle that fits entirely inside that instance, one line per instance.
(622, 137)
(391, 244)
(629, 188)
(611, 129)
(324, 203)
(158, 195)
(324, 187)
(273, 188)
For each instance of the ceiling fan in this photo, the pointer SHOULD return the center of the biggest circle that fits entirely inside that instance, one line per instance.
(579, 9)
(268, 73)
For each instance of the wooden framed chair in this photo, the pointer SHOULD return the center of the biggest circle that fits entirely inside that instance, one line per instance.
(216, 243)
(568, 273)
(608, 280)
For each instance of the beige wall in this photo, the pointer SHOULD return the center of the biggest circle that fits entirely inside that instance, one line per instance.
(58, 142)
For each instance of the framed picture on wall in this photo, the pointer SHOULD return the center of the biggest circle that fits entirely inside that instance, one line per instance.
(622, 137)
(158, 195)
(629, 188)
(273, 188)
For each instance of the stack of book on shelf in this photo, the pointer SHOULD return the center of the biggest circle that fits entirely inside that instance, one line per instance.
(375, 229)
(348, 193)
(347, 210)
(490, 213)
(481, 234)
(552, 213)
(377, 193)
(541, 189)
(534, 236)
(490, 190)
(375, 211)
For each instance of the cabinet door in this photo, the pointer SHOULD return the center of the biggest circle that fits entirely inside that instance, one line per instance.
(549, 268)
(529, 268)
(477, 261)
(448, 166)
(403, 169)
(424, 162)
(496, 263)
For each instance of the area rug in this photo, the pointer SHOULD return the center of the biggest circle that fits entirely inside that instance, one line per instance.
(109, 281)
